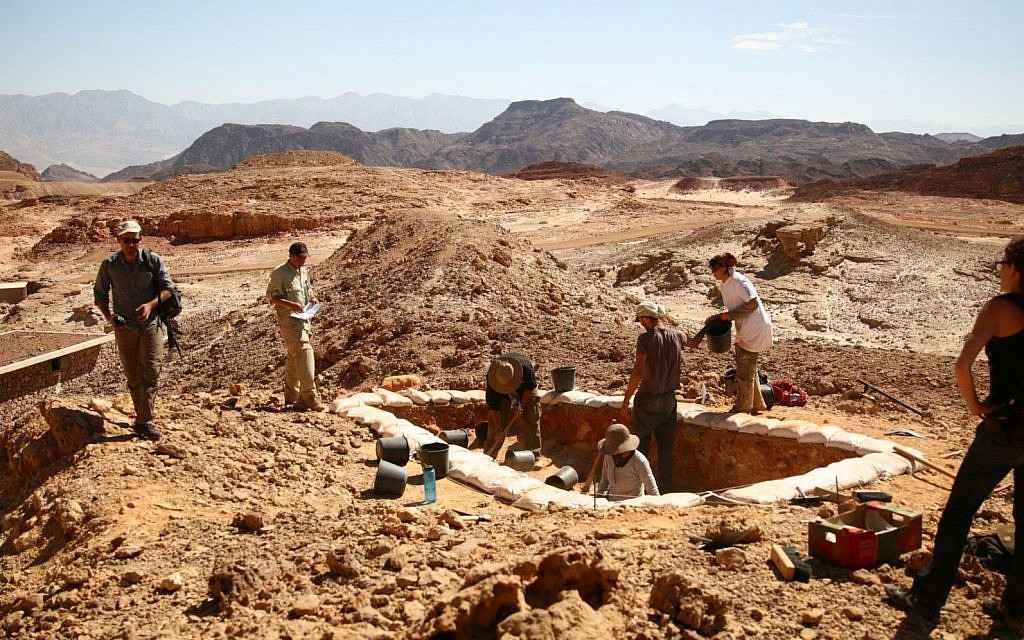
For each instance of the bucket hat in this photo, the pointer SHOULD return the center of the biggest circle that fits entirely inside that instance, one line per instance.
(505, 375)
(618, 439)
(649, 309)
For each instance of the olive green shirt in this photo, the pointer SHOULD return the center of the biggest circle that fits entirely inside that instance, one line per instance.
(289, 283)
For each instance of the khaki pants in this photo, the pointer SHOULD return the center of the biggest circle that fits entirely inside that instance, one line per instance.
(300, 372)
(141, 349)
(748, 387)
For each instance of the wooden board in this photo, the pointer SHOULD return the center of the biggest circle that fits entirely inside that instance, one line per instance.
(81, 343)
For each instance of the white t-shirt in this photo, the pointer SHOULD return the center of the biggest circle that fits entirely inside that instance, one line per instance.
(754, 332)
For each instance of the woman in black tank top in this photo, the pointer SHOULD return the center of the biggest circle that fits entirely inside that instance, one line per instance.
(997, 449)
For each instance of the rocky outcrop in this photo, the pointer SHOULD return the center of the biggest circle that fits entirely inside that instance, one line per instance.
(565, 171)
(7, 163)
(64, 173)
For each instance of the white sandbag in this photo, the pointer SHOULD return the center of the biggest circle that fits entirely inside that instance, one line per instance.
(683, 408)
(709, 419)
(868, 445)
(417, 396)
(514, 489)
(538, 499)
(551, 397)
(575, 397)
(678, 500)
(439, 397)
(371, 399)
(598, 402)
(852, 472)
(764, 492)
(342, 405)
(476, 395)
(362, 413)
(888, 464)
(459, 397)
(793, 429)
(757, 425)
(858, 443)
(821, 435)
(392, 399)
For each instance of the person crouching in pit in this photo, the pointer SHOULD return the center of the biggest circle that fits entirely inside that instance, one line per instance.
(625, 472)
(511, 400)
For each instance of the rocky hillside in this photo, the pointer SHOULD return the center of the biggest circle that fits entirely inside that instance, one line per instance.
(10, 165)
(64, 173)
(532, 131)
(998, 175)
(564, 171)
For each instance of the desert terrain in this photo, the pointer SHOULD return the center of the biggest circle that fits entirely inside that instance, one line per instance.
(432, 272)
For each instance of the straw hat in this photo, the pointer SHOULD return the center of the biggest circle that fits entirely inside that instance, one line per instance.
(649, 309)
(505, 375)
(618, 439)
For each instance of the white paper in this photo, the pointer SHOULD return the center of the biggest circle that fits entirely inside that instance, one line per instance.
(308, 313)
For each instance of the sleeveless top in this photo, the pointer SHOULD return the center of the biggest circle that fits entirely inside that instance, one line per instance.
(1006, 362)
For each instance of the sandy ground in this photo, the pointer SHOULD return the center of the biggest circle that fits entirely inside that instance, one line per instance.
(890, 287)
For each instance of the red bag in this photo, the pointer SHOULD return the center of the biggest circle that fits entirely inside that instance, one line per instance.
(788, 394)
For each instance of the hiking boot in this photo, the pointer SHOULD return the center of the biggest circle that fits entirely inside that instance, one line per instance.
(302, 406)
(146, 431)
(907, 600)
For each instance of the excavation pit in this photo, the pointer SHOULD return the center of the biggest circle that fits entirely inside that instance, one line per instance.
(34, 360)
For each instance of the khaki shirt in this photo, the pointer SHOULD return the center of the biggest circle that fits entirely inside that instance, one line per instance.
(289, 283)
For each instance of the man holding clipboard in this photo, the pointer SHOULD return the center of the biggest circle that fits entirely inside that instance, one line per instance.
(290, 293)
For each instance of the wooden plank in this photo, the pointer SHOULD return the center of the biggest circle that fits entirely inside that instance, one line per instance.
(52, 355)
(910, 455)
(782, 563)
(13, 285)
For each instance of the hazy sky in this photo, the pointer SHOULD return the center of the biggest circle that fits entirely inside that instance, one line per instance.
(955, 63)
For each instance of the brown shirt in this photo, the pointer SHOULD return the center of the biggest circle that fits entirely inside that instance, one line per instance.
(663, 350)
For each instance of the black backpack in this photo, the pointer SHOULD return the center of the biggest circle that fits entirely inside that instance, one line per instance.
(168, 309)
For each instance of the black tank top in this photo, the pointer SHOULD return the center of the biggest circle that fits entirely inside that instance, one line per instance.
(1006, 362)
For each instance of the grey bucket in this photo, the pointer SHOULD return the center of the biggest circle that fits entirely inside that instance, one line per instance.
(565, 478)
(520, 460)
(435, 454)
(564, 379)
(390, 480)
(768, 394)
(394, 450)
(719, 336)
(457, 437)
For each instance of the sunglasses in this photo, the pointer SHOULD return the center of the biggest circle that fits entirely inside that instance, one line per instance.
(131, 240)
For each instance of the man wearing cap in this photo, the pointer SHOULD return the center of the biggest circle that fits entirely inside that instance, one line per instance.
(655, 378)
(511, 382)
(289, 291)
(625, 473)
(139, 282)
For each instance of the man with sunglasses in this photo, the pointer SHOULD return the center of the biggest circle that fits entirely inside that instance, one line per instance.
(139, 282)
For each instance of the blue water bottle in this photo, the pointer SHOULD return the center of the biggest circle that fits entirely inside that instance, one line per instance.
(429, 485)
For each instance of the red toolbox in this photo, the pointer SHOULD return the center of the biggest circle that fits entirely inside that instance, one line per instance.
(868, 536)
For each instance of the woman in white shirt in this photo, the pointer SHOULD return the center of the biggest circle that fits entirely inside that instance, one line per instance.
(753, 329)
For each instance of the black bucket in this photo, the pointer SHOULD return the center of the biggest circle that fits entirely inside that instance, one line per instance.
(457, 437)
(564, 379)
(394, 450)
(768, 394)
(719, 335)
(481, 431)
(520, 460)
(435, 454)
(390, 480)
(565, 478)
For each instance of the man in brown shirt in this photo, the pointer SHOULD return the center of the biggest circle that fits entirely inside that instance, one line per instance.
(655, 378)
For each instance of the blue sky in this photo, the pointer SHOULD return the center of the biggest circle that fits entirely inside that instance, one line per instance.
(955, 63)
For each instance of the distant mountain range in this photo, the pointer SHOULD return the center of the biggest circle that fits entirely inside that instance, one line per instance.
(103, 131)
(534, 131)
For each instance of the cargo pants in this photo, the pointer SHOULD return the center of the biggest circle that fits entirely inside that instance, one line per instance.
(141, 351)
(748, 387)
(300, 370)
(654, 415)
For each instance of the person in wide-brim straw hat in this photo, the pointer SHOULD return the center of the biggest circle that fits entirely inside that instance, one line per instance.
(656, 376)
(511, 402)
(625, 473)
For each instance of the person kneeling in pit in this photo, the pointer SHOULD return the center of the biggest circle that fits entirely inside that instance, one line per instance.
(511, 400)
(625, 473)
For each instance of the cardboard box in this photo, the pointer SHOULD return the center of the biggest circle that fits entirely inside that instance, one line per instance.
(871, 534)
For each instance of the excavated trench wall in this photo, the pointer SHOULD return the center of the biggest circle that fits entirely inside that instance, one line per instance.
(704, 459)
